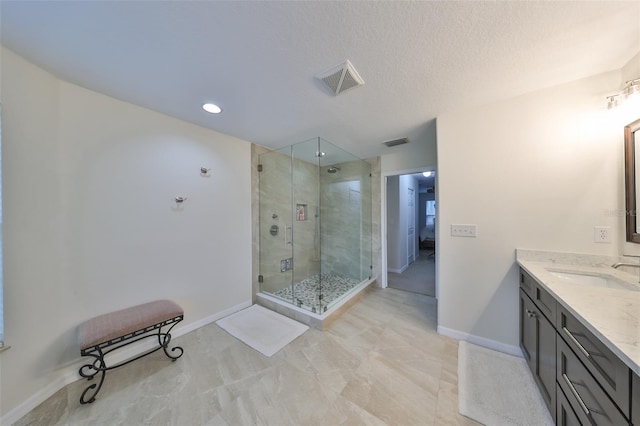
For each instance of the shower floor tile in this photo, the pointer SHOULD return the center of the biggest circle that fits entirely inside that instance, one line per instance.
(306, 291)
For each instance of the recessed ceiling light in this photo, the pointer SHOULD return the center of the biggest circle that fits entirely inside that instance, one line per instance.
(212, 108)
(426, 174)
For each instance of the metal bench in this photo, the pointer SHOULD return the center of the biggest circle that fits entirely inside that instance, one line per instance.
(106, 333)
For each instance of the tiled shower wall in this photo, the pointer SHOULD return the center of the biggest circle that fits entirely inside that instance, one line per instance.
(346, 220)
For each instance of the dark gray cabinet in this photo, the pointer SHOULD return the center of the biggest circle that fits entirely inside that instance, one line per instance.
(609, 370)
(565, 416)
(635, 401)
(581, 380)
(590, 402)
(538, 343)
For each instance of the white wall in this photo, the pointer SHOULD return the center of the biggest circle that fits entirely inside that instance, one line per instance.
(537, 171)
(397, 221)
(91, 225)
(409, 182)
(394, 254)
(420, 153)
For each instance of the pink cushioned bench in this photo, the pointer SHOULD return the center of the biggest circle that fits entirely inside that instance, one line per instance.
(102, 335)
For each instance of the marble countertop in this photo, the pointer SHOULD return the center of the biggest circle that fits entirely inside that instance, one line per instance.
(613, 315)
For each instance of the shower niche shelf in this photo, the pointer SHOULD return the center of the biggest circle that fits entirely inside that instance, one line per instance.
(301, 212)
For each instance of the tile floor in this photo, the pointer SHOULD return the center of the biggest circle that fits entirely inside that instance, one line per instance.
(380, 363)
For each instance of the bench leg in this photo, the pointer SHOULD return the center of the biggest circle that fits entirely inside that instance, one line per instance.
(98, 366)
(164, 339)
(88, 371)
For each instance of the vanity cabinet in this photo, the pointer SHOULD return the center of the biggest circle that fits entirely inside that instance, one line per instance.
(590, 402)
(565, 416)
(580, 379)
(538, 344)
(610, 372)
(635, 401)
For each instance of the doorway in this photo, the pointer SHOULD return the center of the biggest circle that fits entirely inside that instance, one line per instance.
(410, 217)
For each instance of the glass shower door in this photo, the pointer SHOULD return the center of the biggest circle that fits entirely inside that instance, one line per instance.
(275, 223)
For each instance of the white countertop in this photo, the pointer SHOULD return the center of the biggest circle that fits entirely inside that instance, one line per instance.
(613, 315)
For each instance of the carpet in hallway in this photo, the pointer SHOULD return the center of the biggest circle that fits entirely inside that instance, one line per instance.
(419, 277)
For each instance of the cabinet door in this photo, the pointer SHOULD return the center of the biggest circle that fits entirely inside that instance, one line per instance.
(546, 360)
(527, 331)
(538, 343)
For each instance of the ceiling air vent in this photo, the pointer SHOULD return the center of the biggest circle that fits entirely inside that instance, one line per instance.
(341, 78)
(396, 142)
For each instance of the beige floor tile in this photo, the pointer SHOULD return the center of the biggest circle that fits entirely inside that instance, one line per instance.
(447, 408)
(380, 363)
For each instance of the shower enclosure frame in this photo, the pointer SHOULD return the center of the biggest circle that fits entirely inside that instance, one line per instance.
(315, 225)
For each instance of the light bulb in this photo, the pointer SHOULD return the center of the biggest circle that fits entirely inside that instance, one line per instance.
(212, 108)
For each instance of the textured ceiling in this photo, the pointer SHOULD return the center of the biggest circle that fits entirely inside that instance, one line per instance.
(258, 59)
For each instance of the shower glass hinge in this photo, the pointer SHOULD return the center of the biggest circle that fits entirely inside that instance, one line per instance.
(259, 167)
(320, 297)
(260, 279)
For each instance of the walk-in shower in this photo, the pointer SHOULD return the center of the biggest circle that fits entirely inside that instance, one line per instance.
(315, 225)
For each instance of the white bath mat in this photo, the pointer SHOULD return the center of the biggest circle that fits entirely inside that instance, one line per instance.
(264, 330)
(498, 389)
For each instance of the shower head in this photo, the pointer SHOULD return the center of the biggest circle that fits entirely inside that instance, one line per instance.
(333, 169)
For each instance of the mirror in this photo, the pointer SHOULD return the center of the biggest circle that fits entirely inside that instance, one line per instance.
(631, 158)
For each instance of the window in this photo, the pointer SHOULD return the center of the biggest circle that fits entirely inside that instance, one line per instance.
(431, 214)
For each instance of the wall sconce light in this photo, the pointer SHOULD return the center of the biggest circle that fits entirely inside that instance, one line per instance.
(631, 88)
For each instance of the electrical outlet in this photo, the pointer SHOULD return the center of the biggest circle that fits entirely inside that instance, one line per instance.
(464, 230)
(602, 234)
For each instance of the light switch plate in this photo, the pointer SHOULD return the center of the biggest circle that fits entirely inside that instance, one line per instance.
(459, 230)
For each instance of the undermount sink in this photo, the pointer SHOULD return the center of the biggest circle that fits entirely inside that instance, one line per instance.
(594, 280)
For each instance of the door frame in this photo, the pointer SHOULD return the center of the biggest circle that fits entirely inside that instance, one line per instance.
(383, 218)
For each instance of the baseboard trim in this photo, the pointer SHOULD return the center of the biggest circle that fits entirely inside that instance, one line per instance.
(481, 341)
(398, 271)
(70, 374)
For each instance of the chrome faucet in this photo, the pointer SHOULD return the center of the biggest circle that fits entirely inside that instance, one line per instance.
(619, 264)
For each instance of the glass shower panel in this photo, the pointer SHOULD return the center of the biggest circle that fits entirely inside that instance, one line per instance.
(276, 229)
(345, 237)
(306, 225)
(315, 224)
